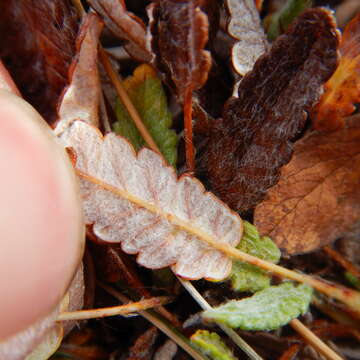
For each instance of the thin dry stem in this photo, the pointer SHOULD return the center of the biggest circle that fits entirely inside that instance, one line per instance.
(347, 265)
(124, 97)
(233, 335)
(161, 324)
(114, 310)
(314, 341)
(189, 146)
(348, 296)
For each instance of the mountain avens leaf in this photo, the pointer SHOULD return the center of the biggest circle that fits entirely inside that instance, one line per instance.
(211, 345)
(138, 201)
(247, 277)
(261, 247)
(266, 310)
(148, 96)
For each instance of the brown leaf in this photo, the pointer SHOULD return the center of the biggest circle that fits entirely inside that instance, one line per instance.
(37, 44)
(179, 33)
(124, 25)
(245, 26)
(342, 91)
(137, 200)
(81, 98)
(249, 145)
(143, 347)
(317, 198)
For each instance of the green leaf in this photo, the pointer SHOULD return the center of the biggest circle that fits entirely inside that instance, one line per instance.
(147, 94)
(268, 309)
(261, 247)
(280, 21)
(353, 280)
(210, 344)
(247, 277)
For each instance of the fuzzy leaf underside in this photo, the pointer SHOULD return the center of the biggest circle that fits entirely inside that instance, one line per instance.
(148, 97)
(245, 26)
(268, 309)
(210, 344)
(137, 200)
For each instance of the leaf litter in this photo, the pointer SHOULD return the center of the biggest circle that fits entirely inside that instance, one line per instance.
(93, 151)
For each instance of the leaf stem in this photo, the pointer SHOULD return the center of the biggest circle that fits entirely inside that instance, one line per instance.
(189, 146)
(348, 296)
(233, 335)
(314, 341)
(161, 324)
(114, 310)
(124, 97)
(347, 265)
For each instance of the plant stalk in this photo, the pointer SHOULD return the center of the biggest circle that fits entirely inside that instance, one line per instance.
(114, 310)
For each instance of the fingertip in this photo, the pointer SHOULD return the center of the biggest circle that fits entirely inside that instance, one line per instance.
(42, 232)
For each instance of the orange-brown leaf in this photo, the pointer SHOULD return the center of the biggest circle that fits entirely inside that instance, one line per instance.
(317, 198)
(342, 90)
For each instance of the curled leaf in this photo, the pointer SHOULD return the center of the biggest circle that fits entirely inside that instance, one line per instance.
(342, 91)
(210, 344)
(320, 182)
(268, 309)
(179, 32)
(247, 277)
(245, 26)
(148, 96)
(81, 98)
(280, 21)
(138, 201)
(247, 148)
(124, 25)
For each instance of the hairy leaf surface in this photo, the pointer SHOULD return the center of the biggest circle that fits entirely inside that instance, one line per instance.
(247, 148)
(81, 98)
(179, 32)
(318, 195)
(138, 201)
(342, 91)
(245, 26)
(147, 94)
(210, 344)
(268, 309)
(247, 277)
(125, 25)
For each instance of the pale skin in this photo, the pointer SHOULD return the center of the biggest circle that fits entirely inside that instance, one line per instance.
(41, 227)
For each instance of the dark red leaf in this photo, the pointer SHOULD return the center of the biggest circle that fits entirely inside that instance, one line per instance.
(249, 145)
(179, 33)
(37, 44)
